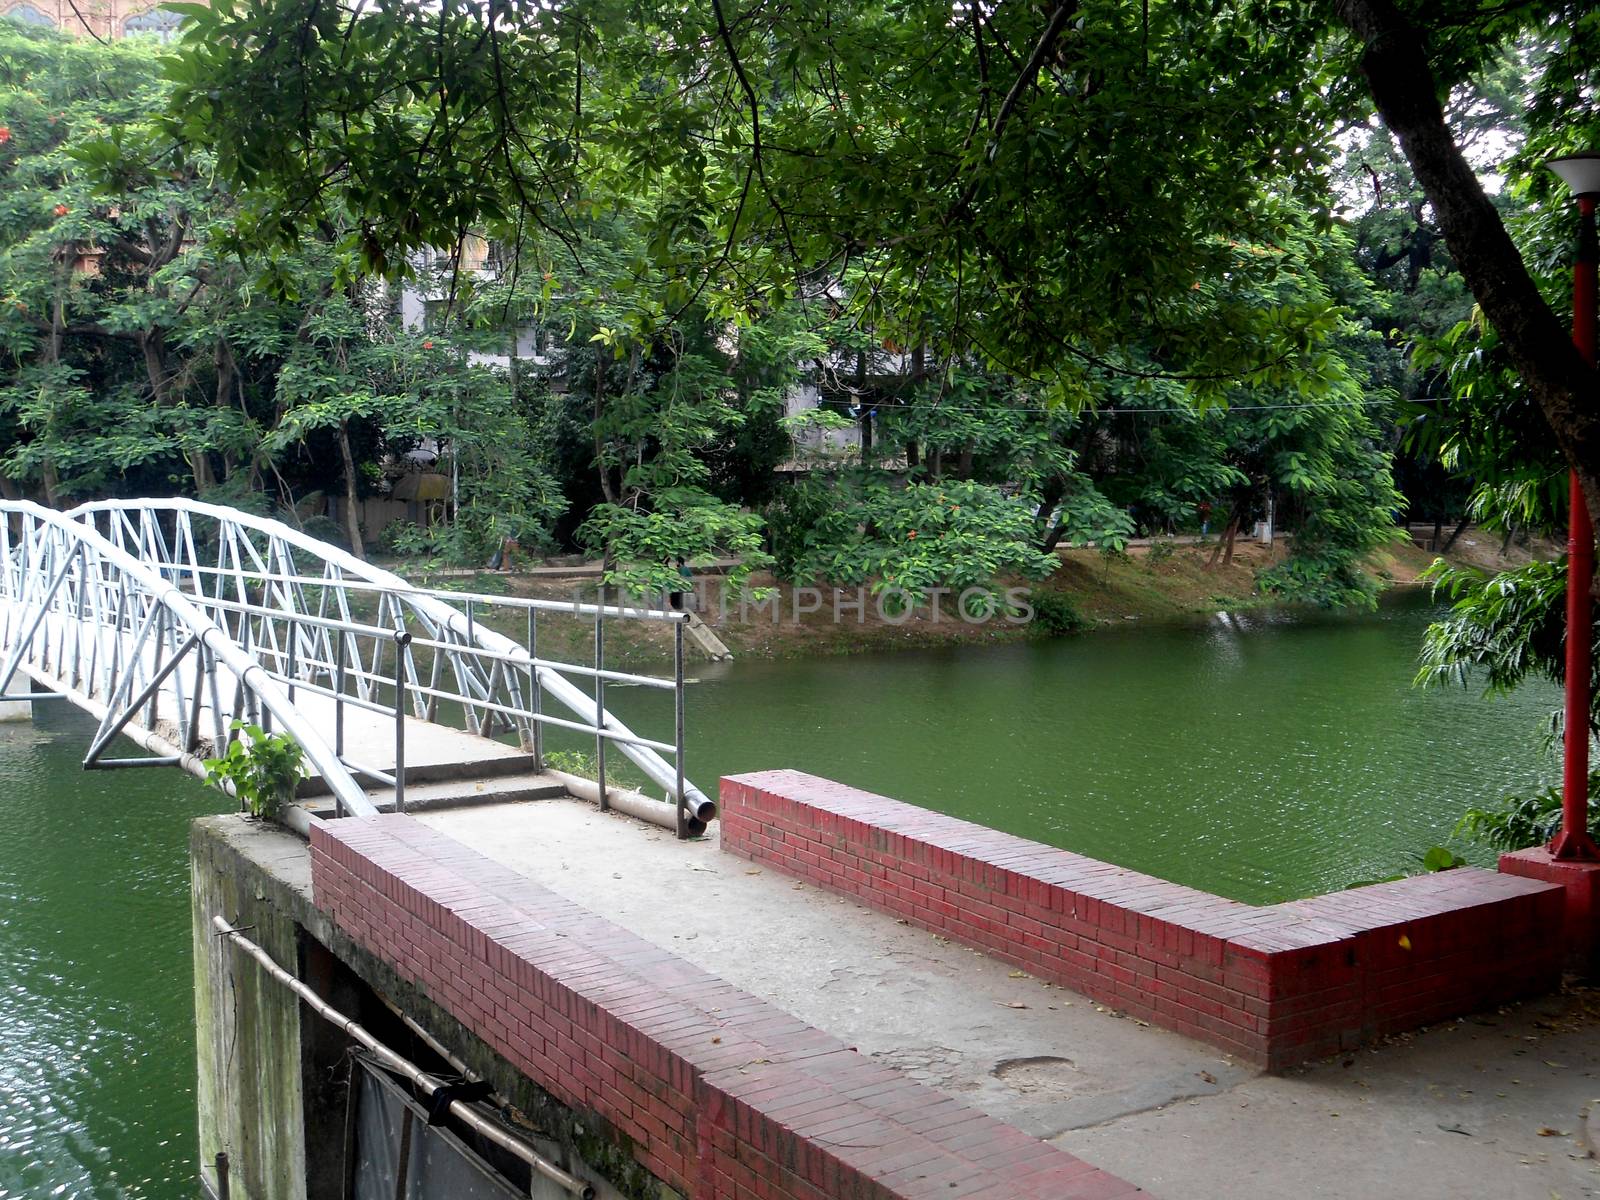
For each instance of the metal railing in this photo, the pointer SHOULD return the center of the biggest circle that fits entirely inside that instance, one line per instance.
(320, 621)
(93, 622)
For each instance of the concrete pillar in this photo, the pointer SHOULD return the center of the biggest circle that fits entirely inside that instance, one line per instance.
(16, 710)
(247, 1032)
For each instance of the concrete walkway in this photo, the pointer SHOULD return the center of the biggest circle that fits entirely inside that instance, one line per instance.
(1487, 1107)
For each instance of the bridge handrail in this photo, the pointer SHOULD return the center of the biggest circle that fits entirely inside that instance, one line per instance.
(433, 605)
(245, 667)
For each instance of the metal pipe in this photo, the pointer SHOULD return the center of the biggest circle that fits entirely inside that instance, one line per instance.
(112, 764)
(536, 696)
(517, 656)
(44, 608)
(148, 739)
(429, 1084)
(609, 734)
(403, 588)
(191, 740)
(631, 803)
(600, 699)
(401, 641)
(467, 710)
(677, 725)
(370, 772)
(1574, 843)
(338, 698)
(104, 736)
(163, 629)
(432, 1043)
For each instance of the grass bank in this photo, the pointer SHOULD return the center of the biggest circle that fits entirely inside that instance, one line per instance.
(1161, 584)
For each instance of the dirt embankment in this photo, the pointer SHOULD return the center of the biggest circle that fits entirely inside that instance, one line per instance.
(1163, 583)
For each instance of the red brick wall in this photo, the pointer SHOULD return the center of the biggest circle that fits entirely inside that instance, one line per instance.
(720, 1094)
(1275, 985)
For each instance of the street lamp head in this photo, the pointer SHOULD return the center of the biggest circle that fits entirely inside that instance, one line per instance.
(1580, 172)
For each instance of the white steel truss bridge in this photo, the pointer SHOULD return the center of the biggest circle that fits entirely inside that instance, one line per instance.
(171, 620)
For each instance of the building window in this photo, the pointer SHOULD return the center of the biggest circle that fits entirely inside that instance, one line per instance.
(154, 22)
(27, 14)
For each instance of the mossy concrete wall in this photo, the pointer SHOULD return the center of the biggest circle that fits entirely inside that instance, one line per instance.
(247, 1027)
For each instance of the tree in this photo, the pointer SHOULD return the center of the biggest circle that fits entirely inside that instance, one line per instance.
(143, 345)
(1408, 59)
(91, 289)
(970, 164)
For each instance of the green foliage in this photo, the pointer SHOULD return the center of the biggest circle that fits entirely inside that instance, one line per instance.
(1055, 613)
(772, 139)
(908, 539)
(573, 762)
(145, 346)
(262, 771)
(1519, 822)
(1441, 858)
(646, 547)
(702, 208)
(1504, 629)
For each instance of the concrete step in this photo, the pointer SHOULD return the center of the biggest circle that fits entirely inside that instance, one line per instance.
(434, 754)
(458, 793)
(700, 634)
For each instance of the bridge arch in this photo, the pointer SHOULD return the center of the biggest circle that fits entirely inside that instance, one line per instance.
(488, 667)
(116, 636)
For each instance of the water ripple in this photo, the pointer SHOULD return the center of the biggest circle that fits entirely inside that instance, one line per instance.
(96, 1012)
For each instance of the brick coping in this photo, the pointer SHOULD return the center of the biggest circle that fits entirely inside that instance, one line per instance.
(1275, 984)
(718, 1093)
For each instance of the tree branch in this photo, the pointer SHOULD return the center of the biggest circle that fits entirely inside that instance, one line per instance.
(1400, 77)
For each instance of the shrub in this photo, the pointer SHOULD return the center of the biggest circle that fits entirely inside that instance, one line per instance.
(1518, 822)
(263, 771)
(1056, 614)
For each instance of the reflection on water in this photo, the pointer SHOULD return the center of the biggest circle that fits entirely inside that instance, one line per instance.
(96, 1015)
(1258, 757)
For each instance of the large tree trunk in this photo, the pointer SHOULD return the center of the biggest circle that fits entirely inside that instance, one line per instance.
(153, 344)
(227, 373)
(865, 421)
(919, 372)
(1225, 542)
(606, 488)
(1050, 496)
(1395, 63)
(352, 505)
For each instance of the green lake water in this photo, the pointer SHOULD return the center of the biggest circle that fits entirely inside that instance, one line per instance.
(1260, 757)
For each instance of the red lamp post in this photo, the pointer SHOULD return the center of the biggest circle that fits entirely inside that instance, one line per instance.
(1581, 173)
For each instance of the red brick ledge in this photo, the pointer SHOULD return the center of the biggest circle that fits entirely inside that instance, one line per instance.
(721, 1095)
(1275, 985)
